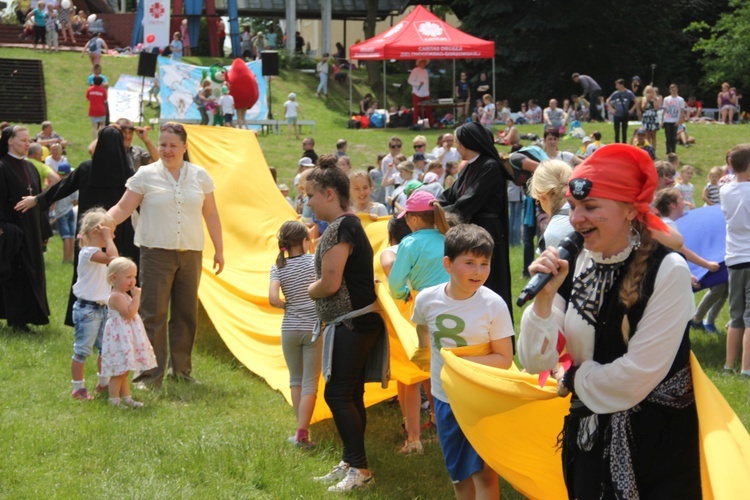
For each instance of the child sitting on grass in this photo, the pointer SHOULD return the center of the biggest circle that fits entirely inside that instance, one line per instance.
(464, 314)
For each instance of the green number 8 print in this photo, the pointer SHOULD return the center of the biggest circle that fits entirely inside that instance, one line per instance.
(444, 331)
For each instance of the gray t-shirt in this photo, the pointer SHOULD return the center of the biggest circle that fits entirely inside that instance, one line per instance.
(138, 156)
(589, 84)
(622, 101)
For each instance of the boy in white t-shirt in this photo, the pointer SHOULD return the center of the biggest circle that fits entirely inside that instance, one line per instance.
(735, 203)
(464, 314)
(291, 111)
(226, 102)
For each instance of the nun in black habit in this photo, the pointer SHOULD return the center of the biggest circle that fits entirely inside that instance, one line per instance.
(23, 284)
(100, 182)
(479, 196)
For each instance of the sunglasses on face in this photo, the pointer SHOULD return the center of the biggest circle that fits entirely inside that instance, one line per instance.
(126, 128)
(419, 146)
(395, 146)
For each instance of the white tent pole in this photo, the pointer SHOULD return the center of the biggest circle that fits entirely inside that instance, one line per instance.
(385, 103)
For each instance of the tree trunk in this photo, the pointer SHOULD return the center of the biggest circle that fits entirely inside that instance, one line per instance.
(373, 68)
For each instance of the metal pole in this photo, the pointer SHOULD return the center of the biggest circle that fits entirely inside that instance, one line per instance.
(350, 90)
(494, 95)
(385, 102)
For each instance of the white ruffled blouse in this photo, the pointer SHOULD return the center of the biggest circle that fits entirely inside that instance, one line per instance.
(617, 386)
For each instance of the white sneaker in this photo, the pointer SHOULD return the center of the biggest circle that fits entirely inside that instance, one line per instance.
(337, 473)
(355, 479)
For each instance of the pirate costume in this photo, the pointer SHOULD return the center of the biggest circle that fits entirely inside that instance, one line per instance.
(632, 430)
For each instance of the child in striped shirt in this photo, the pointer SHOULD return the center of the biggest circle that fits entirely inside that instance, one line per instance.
(293, 273)
(711, 191)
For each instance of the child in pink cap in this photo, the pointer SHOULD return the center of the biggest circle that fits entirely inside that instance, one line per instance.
(418, 265)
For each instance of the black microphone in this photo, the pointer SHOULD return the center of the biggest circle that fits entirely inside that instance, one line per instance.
(568, 250)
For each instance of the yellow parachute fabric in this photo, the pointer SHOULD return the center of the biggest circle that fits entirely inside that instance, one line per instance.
(513, 424)
(252, 210)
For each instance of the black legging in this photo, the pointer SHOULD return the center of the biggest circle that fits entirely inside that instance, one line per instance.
(345, 390)
(670, 133)
(621, 123)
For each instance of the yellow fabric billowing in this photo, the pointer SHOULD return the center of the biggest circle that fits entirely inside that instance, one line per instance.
(252, 210)
(725, 443)
(510, 421)
(513, 424)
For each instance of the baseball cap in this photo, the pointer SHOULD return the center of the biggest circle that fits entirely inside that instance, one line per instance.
(586, 139)
(410, 186)
(430, 177)
(305, 162)
(418, 157)
(636, 78)
(63, 168)
(420, 201)
(292, 96)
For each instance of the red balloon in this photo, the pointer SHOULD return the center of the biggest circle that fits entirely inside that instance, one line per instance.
(150, 38)
(242, 85)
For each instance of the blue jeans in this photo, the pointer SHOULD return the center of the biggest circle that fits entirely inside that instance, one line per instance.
(89, 321)
(66, 225)
(323, 86)
(515, 209)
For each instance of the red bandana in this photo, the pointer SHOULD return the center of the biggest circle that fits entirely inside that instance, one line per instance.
(622, 173)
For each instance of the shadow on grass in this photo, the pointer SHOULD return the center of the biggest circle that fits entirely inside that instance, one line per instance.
(709, 349)
(209, 341)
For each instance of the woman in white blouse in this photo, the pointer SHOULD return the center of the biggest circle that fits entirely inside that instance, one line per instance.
(632, 430)
(173, 195)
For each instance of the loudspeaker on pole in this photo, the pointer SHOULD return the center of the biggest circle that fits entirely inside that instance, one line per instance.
(270, 62)
(147, 64)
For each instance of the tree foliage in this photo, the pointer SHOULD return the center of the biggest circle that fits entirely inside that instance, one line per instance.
(540, 43)
(725, 47)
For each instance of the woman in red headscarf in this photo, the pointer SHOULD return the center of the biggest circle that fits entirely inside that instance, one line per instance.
(632, 430)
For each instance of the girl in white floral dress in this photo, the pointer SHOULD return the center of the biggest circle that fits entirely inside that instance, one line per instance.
(125, 347)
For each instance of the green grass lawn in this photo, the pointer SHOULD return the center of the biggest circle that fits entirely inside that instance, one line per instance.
(227, 437)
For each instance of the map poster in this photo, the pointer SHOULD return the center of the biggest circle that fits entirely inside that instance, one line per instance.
(180, 82)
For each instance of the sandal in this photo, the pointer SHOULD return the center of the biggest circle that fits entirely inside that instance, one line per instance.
(413, 448)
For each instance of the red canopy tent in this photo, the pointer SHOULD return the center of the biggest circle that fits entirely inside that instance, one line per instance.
(422, 35)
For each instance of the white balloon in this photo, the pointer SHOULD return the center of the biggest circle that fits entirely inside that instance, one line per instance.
(65, 4)
(91, 18)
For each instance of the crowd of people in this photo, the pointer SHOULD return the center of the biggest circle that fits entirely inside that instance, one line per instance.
(456, 209)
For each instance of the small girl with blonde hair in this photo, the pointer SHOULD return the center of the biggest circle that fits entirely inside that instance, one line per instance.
(683, 185)
(488, 112)
(360, 189)
(97, 230)
(126, 347)
(292, 274)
